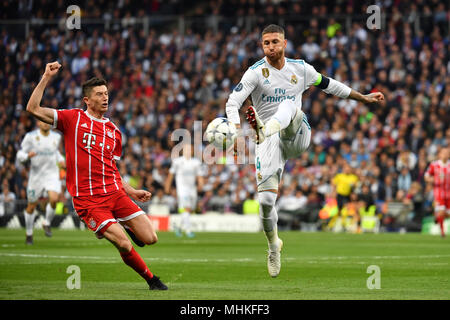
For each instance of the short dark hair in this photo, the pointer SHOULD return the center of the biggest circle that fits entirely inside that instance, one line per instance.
(273, 28)
(87, 86)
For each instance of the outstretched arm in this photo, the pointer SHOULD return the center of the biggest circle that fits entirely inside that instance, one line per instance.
(334, 87)
(374, 97)
(44, 114)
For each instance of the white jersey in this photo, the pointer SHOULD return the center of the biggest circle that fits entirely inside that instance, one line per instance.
(186, 171)
(269, 86)
(43, 166)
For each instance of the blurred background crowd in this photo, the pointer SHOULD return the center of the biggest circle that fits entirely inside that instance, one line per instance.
(171, 63)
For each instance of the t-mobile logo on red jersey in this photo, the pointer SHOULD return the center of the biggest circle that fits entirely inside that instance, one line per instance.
(89, 140)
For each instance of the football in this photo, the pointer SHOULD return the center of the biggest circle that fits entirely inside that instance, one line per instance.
(221, 133)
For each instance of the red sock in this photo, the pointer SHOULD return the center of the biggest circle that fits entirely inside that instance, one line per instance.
(440, 220)
(134, 260)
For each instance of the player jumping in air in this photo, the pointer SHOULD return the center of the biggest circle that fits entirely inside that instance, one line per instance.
(438, 174)
(188, 178)
(276, 84)
(41, 148)
(100, 197)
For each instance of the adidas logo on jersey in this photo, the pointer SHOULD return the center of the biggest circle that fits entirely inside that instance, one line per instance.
(266, 82)
(84, 125)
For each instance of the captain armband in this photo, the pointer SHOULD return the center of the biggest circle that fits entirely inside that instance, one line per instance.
(322, 82)
(331, 86)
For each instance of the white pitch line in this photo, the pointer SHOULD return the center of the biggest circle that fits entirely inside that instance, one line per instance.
(367, 257)
(29, 255)
(112, 259)
(310, 260)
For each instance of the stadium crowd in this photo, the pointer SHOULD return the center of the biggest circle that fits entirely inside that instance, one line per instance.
(165, 80)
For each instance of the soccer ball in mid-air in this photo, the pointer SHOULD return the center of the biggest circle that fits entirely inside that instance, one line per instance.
(221, 133)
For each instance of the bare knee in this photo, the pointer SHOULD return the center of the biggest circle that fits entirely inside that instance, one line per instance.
(123, 245)
(143, 229)
(152, 238)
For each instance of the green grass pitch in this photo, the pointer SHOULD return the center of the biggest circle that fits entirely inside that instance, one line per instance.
(228, 266)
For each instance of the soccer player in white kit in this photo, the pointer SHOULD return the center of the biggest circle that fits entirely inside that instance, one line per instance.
(41, 147)
(275, 84)
(187, 171)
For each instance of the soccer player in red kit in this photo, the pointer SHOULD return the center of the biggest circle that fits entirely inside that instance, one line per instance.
(100, 197)
(438, 174)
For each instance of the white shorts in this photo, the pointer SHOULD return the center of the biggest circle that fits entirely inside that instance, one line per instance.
(272, 154)
(187, 200)
(37, 189)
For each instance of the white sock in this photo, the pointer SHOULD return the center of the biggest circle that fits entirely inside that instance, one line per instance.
(281, 119)
(29, 222)
(272, 238)
(49, 214)
(269, 216)
(272, 126)
(186, 221)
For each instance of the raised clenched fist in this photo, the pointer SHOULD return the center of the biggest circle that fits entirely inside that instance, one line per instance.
(52, 68)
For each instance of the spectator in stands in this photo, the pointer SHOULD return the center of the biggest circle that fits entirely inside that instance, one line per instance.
(291, 201)
(404, 180)
(365, 197)
(416, 199)
(406, 159)
(220, 200)
(310, 49)
(160, 198)
(388, 189)
(7, 200)
(397, 212)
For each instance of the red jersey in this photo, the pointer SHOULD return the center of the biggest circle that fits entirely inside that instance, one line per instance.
(441, 173)
(92, 148)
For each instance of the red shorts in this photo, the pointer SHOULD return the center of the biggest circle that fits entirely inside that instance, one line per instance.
(100, 211)
(442, 205)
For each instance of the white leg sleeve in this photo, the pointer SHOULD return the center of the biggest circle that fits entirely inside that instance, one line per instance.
(186, 221)
(49, 214)
(267, 210)
(29, 222)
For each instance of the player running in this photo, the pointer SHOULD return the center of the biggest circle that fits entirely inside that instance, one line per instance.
(276, 84)
(438, 174)
(100, 197)
(41, 147)
(188, 179)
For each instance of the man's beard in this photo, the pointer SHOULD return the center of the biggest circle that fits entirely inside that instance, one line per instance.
(275, 57)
